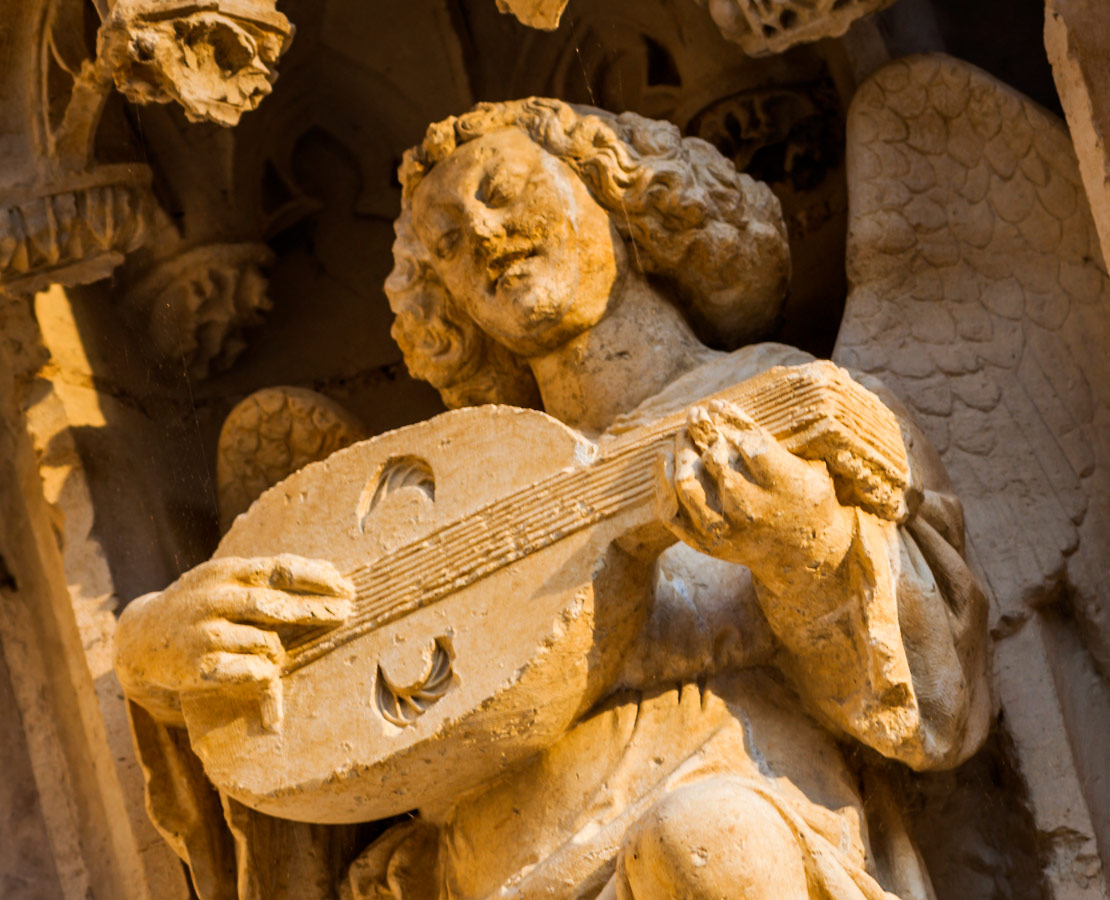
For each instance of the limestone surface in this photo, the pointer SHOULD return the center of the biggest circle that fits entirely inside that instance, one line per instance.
(1077, 38)
(979, 296)
(217, 60)
(462, 617)
(658, 607)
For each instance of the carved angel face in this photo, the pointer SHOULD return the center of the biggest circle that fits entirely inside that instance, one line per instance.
(519, 241)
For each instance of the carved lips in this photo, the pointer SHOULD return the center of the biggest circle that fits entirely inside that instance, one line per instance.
(508, 264)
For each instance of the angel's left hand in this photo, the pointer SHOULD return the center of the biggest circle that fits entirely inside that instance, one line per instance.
(744, 497)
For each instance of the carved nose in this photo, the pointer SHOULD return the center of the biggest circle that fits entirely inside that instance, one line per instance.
(485, 222)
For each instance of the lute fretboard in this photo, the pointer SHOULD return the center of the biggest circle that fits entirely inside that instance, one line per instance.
(815, 411)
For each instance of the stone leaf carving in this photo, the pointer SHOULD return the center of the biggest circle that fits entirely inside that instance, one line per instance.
(198, 302)
(76, 229)
(217, 58)
(271, 434)
(766, 27)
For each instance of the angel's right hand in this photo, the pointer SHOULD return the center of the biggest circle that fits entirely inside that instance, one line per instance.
(217, 626)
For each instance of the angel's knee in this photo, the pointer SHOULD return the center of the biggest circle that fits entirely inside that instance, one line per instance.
(714, 840)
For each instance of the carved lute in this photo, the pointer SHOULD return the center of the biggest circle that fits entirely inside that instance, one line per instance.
(493, 596)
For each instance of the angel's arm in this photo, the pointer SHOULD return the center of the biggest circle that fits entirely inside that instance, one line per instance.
(882, 626)
(890, 647)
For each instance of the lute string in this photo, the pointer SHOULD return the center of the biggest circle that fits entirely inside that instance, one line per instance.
(627, 485)
(469, 549)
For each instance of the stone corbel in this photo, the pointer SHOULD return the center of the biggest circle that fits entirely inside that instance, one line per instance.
(216, 58)
(766, 27)
(760, 27)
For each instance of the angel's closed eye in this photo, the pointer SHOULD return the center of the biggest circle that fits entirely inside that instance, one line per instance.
(448, 243)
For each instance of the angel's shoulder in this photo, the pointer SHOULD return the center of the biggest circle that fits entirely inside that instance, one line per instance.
(719, 371)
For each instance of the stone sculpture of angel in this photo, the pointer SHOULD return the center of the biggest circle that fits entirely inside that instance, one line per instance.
(563, 256)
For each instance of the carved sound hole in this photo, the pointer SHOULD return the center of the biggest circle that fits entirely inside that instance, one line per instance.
(401, 473)
(403, 698)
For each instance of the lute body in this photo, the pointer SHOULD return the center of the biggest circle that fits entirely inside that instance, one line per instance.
(496, 596)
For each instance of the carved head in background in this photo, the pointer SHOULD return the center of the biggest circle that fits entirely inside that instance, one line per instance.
(519, 218)
(217, 59)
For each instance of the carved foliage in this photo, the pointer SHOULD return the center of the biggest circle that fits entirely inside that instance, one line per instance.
(217, 63)
(76, 231)
(789, 134)
(765, 27)
(198, 302)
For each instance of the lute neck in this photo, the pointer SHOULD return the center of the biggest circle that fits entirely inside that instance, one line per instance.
(815, 410)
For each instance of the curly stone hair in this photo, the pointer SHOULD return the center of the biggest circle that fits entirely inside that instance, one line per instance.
(713, 238)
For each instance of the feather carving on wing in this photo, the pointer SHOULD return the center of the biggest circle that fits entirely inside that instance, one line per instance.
(979, 295)
(270, 435)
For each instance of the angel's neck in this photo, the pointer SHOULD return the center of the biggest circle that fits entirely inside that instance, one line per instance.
(640, 347)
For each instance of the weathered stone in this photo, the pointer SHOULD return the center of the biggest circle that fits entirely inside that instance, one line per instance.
(702, 626)
(762, 28)
(1029, 453)
(521, 261)
(543, 14)
(216, 59)
(1077, 37)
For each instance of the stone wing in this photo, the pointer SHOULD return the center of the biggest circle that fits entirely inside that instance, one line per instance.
(978, 293)
(270, 435)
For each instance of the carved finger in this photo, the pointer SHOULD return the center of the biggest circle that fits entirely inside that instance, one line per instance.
(287, 572)
(266, 606)
(314, 576)
(666, 503)
(222, 668)
(760, 457)
(728, 412)
(233, 637)
(697, 496)
(739, 496)
(701, 428)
